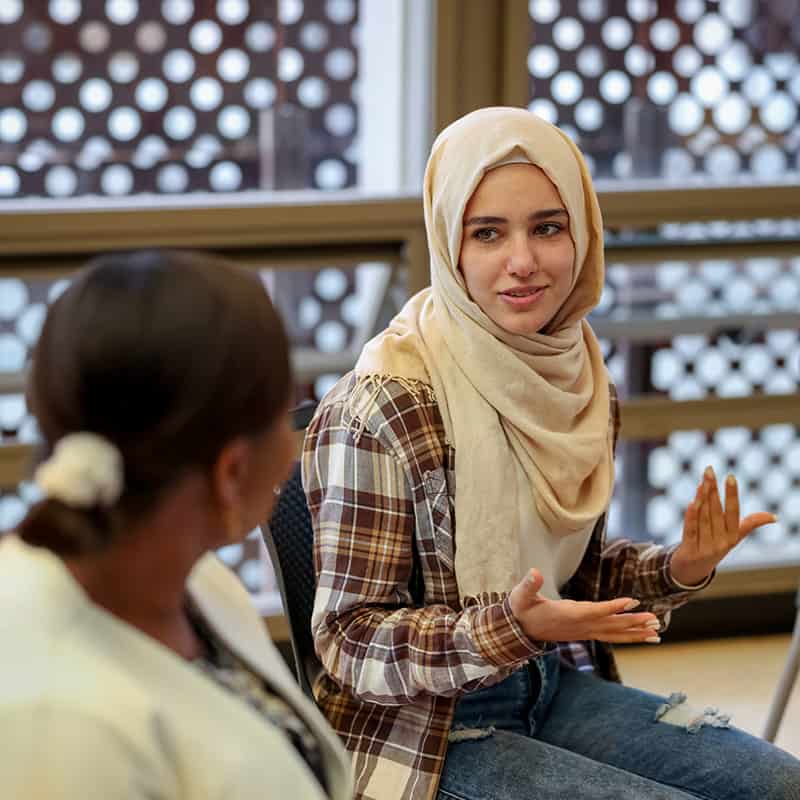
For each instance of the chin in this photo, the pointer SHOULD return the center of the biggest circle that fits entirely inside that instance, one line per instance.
(520, 326)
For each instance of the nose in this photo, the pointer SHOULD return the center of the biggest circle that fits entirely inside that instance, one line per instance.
(521, 257)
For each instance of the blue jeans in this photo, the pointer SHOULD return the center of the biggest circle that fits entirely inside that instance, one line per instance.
(551, 733)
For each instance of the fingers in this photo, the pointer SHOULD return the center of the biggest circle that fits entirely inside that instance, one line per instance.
(629, 628)
(631, 637)
(525, 594)
(705, 533)
(691, 534)
(739, 530)
(535, 580)
(723, 539)
(753, 521)
(731, 504)
(601, 624)
(606, 608)
(623, 622)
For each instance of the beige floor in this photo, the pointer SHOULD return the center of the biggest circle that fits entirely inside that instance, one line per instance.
(738, 675)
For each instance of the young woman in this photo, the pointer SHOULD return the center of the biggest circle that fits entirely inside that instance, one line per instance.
(134, 664)
(459, 480)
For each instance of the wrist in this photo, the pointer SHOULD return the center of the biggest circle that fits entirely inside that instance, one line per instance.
(688, 573)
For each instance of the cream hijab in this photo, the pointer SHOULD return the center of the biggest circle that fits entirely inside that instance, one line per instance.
(528, 415)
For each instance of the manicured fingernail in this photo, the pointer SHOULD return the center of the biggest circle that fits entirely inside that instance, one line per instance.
(653, 639)
(631, 605)
(709, 473)
(774, 517)
(730, 480)
(654, 624)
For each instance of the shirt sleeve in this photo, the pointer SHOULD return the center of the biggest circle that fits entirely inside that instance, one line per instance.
(369, 635)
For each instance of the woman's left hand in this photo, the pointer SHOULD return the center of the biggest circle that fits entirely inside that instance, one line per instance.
(709, 532)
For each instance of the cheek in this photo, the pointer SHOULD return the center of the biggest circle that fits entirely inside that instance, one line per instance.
(475, 270)
(276, 462)
(563, 265)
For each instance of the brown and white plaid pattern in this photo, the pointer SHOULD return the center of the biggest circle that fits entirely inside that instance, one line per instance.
(396, 643)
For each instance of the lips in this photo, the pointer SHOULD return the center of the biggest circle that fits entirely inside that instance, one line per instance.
(523, 291)
(522, 298)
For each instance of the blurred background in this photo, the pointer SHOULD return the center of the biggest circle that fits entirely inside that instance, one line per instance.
(291, 136)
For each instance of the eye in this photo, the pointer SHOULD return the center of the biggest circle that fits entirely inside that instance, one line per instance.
(485, 234)
(549, 229)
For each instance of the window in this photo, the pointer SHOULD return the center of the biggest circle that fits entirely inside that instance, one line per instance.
(123, 98)
(679, 90)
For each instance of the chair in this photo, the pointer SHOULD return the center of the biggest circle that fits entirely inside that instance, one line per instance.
(289, 537)
(786, 683)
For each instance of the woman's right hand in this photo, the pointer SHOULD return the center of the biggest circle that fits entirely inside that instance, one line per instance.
(571, 620)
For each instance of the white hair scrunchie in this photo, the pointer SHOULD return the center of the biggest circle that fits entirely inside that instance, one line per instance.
(84, 471)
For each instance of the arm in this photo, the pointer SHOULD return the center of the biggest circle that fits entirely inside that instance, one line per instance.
(633, 569)
(625, 568)
(364, 504)
(663, 578)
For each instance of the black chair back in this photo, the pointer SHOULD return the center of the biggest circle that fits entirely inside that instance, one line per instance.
(289, 539)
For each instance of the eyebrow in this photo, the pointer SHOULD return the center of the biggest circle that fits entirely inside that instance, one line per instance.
(546, 213)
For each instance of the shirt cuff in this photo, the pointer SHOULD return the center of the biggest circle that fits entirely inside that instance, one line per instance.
(682, 586)
(499, 636)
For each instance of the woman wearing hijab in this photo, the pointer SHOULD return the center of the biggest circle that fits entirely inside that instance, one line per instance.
(459, 480)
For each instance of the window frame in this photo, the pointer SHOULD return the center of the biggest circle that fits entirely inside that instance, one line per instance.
(479, 55)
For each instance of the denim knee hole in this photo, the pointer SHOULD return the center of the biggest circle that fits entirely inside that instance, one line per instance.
(676, 711)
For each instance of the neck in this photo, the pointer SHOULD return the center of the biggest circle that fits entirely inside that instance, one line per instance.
(141, 578)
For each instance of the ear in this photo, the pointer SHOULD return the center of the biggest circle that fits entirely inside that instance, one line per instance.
(229, 475)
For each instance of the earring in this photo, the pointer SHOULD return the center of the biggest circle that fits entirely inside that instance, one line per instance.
(276, 490)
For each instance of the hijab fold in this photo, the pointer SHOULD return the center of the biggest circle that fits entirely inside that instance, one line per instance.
(528, 416)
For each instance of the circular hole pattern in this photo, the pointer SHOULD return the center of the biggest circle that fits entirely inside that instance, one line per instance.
(152, 88)
(64, 12)
(206, 94)
(122, 12)
(233, 65)
(568, 33)
(95, 95)
(617, 33)
(38, 95)
(260, 93)
(225, 177)
(177, 12)
(205, 36)
(716, 83)
(233, 122)
(178, 66)
(232, 12)
(151, 94)
(290, 64)
(330, 173)
(312, 92)
(179, 123)
(124, 123)
(123, 67)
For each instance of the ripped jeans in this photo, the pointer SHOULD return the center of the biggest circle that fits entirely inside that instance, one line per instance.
(551, 733)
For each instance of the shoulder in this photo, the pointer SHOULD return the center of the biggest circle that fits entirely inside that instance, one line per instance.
(399, 416)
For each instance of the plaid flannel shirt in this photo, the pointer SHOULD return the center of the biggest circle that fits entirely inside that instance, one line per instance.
(397, 646)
